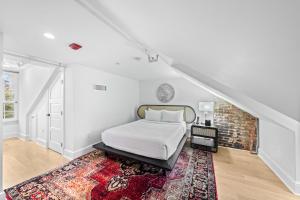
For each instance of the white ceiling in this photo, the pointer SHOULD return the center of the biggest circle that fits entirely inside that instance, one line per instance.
(24, 22)
(250, 46)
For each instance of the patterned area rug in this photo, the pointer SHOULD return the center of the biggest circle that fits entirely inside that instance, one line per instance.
(95, 176)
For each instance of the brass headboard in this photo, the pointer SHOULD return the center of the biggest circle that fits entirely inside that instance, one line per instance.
(189, 113)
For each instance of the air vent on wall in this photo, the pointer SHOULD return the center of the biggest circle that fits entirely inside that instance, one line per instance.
(100, 87)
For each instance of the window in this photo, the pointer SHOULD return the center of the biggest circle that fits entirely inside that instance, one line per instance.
(10, 84)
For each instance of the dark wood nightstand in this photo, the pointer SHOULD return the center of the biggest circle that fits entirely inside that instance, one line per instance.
(204, 137)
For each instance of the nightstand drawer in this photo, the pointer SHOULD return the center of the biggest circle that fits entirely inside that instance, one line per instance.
(204, 132)
(203, 141)
(204, 137)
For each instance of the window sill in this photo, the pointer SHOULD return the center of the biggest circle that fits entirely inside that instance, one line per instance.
(9, 121)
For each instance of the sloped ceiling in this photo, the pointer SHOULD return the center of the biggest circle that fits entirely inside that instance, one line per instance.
(24, 22)
(250, 46)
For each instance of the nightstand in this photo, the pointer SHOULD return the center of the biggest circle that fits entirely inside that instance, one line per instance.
(204, 137)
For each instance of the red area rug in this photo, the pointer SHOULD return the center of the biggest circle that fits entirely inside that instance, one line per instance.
(95, 176)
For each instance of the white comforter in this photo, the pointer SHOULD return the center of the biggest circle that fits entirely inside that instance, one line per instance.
(147, 138)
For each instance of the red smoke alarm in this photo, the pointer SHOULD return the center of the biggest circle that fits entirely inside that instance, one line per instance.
(75, 46)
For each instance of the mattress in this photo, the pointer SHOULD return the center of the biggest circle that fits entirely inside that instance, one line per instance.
(152, 139)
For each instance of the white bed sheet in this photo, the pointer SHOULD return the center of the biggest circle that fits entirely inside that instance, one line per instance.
(147, 138)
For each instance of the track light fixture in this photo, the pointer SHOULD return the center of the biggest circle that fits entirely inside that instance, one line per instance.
(152, 56)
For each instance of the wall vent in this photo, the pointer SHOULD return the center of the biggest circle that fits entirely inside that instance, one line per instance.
(100, 87)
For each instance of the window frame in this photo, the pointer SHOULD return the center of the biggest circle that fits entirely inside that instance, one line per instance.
(15, 99)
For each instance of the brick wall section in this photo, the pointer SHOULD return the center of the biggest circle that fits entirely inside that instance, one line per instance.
(237, 129)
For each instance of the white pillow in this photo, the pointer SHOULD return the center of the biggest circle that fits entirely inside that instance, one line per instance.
(172, 116)
(153, 115)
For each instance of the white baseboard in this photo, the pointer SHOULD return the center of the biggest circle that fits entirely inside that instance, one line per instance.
(75, 154)
(16, 135)
(41, 142)
(290, 183)
(68, 154)
(11, 135)
(297, 188)
(23, 136)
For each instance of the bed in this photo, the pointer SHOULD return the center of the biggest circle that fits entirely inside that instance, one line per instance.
(153, 142)
(152, 139)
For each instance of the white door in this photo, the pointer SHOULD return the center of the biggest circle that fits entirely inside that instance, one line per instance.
(56, 130)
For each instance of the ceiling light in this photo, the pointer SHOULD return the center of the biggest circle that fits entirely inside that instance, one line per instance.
(49, 36)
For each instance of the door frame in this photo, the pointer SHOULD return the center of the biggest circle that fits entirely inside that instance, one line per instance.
(62, 73)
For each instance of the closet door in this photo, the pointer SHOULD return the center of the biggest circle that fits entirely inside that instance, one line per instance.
(56, 94)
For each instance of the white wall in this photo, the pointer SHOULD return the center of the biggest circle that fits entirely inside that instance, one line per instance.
(11, 129)
(41, 121)
(277, 147)
(186, 93)
(31, 81)
(88, 112)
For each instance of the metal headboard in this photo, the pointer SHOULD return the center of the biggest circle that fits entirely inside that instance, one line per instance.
(189, 113)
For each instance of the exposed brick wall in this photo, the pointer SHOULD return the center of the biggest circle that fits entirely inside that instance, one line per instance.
(237, 129)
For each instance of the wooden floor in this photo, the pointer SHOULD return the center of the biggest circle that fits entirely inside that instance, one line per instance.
(23, 160)
(240, 175)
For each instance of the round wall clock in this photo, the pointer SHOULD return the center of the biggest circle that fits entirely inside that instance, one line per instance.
(165, 93)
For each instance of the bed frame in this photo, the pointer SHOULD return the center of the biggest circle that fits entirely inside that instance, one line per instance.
(189, 117)
(189, 114)
(164, 164)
